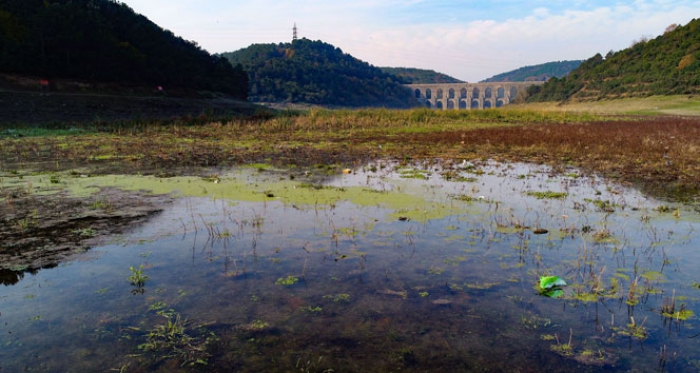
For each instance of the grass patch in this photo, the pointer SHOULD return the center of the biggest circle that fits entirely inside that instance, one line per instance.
(547, 195)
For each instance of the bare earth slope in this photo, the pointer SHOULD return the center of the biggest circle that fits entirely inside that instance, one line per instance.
(37, 108)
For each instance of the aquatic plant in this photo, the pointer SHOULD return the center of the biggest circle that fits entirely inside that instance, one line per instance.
(338, 297)
(551, 286)
(259, 325)
(547, 195)
(670, 311)
(602, 205)
(634, 293)
(288, 281)
(137, 277)
(171, 340)
(157, 306)
(564, 349)
(634, 330)
(468, 198)
(663, 208)
(415, 174)
(454, 176)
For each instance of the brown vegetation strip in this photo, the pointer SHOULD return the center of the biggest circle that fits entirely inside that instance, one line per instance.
(658, 152)
(664, 150)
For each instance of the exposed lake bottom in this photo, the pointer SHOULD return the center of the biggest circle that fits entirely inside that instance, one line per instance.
(390, 267)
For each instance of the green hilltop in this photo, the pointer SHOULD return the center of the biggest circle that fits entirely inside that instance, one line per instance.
(666, 65)
(314, 72)
(541, 72)
(409, 75)
(106, 41)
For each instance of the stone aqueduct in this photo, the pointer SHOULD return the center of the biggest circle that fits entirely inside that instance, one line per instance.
(467, 96)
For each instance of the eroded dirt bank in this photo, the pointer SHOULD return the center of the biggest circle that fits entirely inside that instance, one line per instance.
(39, 231)
(37, 108)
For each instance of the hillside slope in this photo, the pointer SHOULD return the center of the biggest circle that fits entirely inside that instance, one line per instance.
(106, 41)
(314, 72)
(409, 75)
(541, 72)
(666, 65)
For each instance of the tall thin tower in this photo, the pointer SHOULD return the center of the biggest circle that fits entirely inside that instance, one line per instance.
(294, 34)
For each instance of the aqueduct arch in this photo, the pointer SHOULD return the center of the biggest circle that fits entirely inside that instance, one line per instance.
(468, 96)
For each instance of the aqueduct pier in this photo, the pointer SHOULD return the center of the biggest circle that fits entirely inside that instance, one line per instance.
(467, 96)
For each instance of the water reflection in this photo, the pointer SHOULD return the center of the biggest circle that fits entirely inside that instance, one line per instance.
(411, 267)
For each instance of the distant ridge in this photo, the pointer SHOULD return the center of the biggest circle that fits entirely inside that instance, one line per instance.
(409, 75)
(541, 72)
(666, 65)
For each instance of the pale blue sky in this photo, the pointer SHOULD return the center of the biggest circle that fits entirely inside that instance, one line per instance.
(470, 40)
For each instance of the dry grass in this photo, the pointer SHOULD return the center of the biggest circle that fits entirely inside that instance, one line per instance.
(658, 152)
(654, 105)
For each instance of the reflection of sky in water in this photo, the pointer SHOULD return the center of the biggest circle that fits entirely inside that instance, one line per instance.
(416, 283)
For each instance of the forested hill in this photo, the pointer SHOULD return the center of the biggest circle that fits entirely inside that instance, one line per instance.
(666, 65)
(106, 41)
(419, 76)
(315, 72)
(539, 73)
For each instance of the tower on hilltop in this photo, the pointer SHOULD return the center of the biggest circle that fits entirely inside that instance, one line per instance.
(294, 32)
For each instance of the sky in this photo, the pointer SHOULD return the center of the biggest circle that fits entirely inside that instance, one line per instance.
(469, 40)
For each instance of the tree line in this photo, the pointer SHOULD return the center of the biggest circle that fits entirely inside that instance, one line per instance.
(106, 41)
(409, 75)
(317, 73)
(541, 72)
(666, 65)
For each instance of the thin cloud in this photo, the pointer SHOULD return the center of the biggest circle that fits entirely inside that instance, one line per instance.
(471, 40)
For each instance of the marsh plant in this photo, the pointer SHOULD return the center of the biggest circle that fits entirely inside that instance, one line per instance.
(288, 281)
(669, 309)
(638, 331)
(171, 340)
(137, 278)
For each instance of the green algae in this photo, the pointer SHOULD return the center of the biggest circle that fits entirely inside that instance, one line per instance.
(652, 276)
(682, 314)
(247, 185)
(586, 297)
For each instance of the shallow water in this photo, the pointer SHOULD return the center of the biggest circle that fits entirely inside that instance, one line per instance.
(390, 268)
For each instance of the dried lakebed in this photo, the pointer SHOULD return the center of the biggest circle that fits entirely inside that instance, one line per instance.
(428, 266)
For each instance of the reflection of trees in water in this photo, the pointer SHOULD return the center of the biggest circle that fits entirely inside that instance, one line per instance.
(10, 277)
